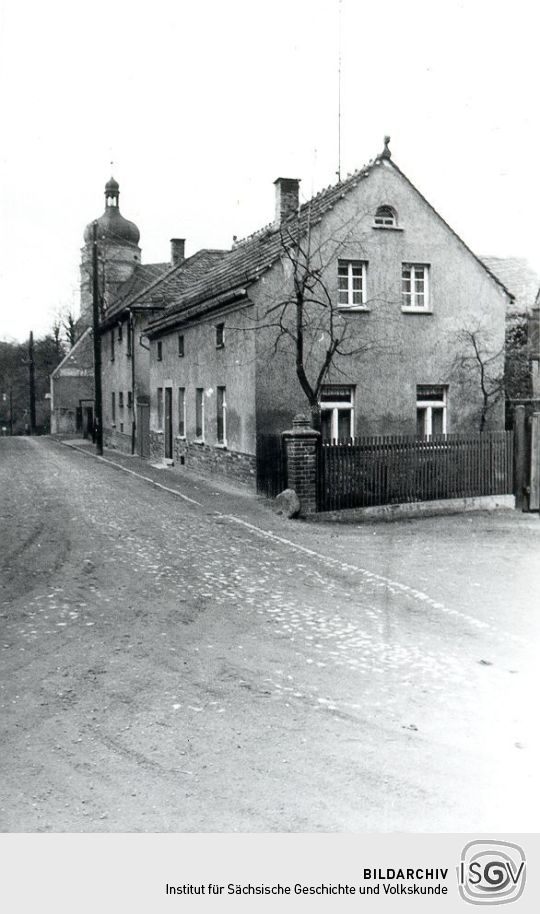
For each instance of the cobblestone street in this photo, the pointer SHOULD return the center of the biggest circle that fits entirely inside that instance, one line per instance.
(190, 662)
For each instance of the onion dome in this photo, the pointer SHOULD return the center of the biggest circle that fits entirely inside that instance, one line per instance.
(112, 226)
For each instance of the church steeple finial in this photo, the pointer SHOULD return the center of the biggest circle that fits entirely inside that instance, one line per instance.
(112, 193)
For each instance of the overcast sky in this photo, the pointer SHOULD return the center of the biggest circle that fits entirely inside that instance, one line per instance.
(201, 105)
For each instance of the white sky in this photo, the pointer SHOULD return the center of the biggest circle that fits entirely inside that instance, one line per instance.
(202, 104)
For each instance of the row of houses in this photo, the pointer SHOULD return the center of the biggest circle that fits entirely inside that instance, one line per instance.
(361, 304)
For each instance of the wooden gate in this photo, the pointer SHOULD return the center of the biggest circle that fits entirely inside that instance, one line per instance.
(271, 465)
(534, 487)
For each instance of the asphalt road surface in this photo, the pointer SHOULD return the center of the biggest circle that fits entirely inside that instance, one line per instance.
(178, 666)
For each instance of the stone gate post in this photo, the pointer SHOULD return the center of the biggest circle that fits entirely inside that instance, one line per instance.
(301, 443)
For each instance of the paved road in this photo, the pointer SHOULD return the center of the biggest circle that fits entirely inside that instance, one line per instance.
(170, 667)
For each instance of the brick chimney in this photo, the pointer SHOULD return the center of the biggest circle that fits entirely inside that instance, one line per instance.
(177, 250)
(287, 192)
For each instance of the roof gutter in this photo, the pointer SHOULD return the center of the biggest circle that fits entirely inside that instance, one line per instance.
(171, 320)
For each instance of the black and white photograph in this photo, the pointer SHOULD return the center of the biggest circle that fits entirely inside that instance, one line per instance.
(270, 419)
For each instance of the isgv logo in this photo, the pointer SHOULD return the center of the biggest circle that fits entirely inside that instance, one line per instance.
(491, 872)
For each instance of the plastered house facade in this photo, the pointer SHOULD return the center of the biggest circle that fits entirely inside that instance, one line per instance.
(222, 372)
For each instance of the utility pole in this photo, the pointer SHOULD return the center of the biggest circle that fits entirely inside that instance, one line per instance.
(98, 405)
(32, 379)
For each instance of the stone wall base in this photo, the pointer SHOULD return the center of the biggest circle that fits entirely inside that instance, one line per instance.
(211, 461)
(415, 509)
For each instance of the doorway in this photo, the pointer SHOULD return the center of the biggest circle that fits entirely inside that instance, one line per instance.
(168, 423)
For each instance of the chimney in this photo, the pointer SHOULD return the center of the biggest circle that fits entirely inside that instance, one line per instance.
(287, 191)
(177, 250)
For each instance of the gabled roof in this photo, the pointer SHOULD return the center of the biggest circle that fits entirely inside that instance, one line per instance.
(160, 284)
(73, 354)
(518, 276)
(143, 275)
(256, 254)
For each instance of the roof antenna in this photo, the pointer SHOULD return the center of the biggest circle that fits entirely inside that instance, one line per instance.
(338, 172)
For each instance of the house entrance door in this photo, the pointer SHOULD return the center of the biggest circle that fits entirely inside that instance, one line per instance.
(168, 423)
(143, 429)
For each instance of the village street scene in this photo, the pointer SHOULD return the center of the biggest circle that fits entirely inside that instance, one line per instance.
(270, 453)
(181, 659)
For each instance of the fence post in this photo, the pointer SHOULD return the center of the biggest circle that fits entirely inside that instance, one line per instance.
(534, 500)
(301, 443)
(520, 454)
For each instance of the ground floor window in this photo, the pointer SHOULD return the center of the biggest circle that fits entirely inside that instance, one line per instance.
(113, 407)
(337, 412)
(199, 412)
(221, 416)
(431, 416)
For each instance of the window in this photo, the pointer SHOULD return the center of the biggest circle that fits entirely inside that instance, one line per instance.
(415, 286)
(130, 400)
(159, 351)
(199, 412)
(121, 399)
(431, 409)
(160, 407)
(113, 407)
(128, 341)
(220, 336)
(221, 416)
(385, 216)
(180, 345)
(336, 412)
(112, 345)
(120, 333)
(182, 412)
(351, 283)
(122, 427)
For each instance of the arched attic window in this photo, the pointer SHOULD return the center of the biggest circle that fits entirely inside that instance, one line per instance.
(385, 215)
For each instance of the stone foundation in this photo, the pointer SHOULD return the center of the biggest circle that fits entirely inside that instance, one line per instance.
(157, 445)
(210, 461)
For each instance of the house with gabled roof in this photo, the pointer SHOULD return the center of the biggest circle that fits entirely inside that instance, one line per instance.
(125, 351)
(379, 262)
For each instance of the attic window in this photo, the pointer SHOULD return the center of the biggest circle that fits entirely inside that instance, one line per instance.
(385, 216)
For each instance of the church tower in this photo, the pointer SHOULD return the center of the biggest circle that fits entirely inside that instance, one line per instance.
(118, 253)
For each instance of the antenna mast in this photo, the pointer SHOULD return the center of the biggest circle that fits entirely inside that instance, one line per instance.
(339, 92)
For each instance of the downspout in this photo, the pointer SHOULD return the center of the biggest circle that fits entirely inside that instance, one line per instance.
(133, 401)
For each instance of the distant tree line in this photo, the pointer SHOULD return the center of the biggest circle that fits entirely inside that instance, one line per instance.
(15, 357)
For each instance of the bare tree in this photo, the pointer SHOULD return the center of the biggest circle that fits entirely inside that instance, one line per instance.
(309, 321)
(481, 366)
(69, 325)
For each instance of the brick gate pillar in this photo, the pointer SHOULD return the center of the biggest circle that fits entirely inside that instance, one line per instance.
(301, 443)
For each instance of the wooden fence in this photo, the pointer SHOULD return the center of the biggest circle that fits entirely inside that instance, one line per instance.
(395, 470)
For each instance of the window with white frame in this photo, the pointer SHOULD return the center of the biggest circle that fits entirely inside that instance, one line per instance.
(221, 416)
(352, 283)
(199, 413)
(431, 401)
(337, 412)
(415, 287)
(182, 411)
(385, 216)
